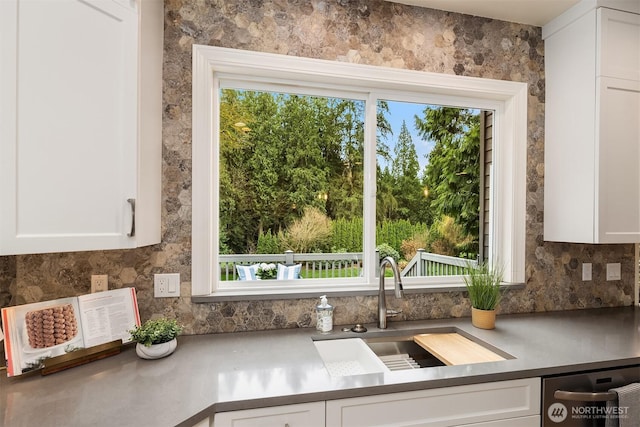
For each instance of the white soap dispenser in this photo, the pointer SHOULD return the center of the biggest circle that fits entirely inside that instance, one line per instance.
(324, 316)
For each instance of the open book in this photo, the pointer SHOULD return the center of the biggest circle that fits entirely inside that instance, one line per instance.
(35, 332)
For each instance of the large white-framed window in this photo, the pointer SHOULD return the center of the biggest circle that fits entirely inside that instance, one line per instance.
(216, 68)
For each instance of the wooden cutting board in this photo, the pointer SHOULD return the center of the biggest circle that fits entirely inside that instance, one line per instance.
(454, 349)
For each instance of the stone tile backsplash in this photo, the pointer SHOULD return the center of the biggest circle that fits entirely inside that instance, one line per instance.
(364, 31)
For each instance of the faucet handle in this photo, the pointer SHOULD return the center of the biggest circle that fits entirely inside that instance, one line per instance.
(393, 313)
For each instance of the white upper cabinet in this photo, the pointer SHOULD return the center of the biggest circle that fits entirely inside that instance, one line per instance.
(592, 127)
(618, 44)
(80, 124)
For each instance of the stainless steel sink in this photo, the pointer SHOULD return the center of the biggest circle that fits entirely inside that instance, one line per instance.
(357, 356)
(400, 353)
(385, 351)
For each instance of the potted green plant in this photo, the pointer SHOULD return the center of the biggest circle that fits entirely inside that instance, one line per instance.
(483, 285)
(156, 338)
(267, 271)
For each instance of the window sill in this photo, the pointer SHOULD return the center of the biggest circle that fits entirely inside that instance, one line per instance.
(353, 291)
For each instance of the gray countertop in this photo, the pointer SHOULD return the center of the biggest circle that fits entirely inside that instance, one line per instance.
(222, 372)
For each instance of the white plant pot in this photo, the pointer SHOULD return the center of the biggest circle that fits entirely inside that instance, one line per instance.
(156, 351)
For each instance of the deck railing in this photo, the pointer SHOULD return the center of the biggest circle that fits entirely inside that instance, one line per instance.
(428, 264)
(316, 265)
(344, 264)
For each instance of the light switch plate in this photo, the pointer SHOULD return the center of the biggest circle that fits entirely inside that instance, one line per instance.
(613, 271)
(166, 285)
(586, 271)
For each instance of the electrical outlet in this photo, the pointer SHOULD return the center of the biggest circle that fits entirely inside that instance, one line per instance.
(613, 271)
(99, 282)
(166, 285)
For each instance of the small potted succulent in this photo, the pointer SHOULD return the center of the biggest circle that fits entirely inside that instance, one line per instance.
(483, 284)
(156, 338)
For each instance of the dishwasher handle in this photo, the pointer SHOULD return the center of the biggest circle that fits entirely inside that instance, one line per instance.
(583, 396)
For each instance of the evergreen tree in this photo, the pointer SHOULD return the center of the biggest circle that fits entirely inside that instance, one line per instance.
(405, 161)
(408, 190)
(452, 175)
(293, 152)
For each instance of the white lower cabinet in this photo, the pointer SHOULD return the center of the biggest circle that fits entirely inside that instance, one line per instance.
(514, 403)
(299, 415)
(203, 423)
(532, 421)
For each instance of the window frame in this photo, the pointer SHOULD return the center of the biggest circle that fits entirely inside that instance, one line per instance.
(508, 100)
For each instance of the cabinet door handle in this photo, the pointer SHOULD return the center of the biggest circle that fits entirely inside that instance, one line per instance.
(580, 396)
(132, 232)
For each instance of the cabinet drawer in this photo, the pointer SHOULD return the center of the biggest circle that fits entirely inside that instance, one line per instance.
(301, 415)
(440, 407)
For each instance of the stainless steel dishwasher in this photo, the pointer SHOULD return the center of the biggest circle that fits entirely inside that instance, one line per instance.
(580, 400)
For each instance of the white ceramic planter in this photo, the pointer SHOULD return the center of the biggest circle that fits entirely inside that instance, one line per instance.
(156, 351)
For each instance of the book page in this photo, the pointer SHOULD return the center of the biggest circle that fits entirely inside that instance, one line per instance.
(108, 316)
(37, 331)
